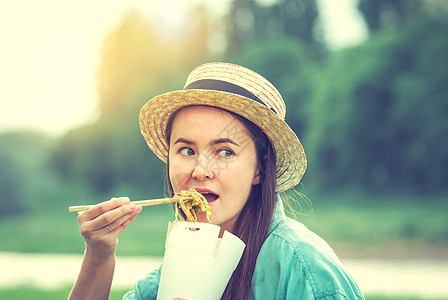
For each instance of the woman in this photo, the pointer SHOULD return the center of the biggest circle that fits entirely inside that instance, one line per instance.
(225, 134)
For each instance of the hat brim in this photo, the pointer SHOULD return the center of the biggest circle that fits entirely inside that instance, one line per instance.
(290, 156)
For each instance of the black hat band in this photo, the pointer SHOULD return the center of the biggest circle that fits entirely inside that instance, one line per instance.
(223, 86)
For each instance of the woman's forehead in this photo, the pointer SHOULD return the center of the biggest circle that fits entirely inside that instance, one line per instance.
(200, 113)
(206, 121)
(202, 109)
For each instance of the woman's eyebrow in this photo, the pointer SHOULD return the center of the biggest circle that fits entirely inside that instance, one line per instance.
(185, 141)
(214, 142)
(224, 140)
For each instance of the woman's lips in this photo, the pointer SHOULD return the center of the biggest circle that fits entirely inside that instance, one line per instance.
(209, 195)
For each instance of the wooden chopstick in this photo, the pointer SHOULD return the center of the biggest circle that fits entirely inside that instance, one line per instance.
(140, 202)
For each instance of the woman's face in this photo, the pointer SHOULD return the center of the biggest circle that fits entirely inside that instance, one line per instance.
(212, 151)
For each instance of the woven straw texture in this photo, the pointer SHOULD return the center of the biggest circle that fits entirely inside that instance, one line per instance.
(290, 156)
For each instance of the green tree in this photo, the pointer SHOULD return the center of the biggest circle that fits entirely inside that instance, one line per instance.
(110, 157)
(26, 181)
(12, 198)
(290, 66)
(379, 115)
(250, 20)
(381, 14)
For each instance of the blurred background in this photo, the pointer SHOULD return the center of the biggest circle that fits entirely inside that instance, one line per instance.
(366, 88)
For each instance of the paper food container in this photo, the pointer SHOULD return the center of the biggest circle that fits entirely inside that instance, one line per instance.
(197, 264)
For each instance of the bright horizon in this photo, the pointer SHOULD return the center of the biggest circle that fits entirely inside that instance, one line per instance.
(50, 53)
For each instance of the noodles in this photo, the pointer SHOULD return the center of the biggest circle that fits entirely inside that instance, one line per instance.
(189, 207)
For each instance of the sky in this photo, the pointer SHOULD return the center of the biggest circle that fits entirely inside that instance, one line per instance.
(50, 53)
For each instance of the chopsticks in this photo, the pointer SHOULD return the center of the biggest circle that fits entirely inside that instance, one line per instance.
(140, 202)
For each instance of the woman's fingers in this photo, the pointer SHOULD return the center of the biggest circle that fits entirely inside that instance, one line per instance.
(104, 207)
(111, 216)
(124, 219)
(126, 223)
(103, 218)
(101, 224)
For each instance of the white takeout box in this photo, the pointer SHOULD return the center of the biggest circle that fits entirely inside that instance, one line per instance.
(197, 264)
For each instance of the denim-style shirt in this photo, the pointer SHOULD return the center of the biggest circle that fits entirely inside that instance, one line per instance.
(293, 263)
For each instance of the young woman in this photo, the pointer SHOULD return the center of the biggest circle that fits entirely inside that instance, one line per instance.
(225, 134)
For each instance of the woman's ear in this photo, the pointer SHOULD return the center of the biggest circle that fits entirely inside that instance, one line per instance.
(257, 177)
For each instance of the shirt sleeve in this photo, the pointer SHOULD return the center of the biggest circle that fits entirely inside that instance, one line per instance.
(146, 288)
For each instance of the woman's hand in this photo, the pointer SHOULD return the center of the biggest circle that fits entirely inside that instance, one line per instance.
(101, 224)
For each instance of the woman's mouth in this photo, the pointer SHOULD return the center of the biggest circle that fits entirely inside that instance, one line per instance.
(210, 197)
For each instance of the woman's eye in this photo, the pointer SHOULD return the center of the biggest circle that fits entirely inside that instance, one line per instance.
(225, 153)
(186, 151)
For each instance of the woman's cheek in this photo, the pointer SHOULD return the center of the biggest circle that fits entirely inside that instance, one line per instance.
(179, 174)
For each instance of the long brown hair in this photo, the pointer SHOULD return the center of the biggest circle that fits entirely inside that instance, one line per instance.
(252, 225)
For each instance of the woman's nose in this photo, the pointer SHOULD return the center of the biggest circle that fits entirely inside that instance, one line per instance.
(203, 167)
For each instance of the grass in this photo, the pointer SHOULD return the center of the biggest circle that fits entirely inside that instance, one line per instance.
(381, 221)
(370, 222)
(57, 232)
(30, 292)
(27, 292)
(343, 219)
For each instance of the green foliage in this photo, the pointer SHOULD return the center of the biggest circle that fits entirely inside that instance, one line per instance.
(371, 117)
(378, 118)
(380, 14)
(251, 20)
(11, 200)
(290, 66)
(110, 157)
(25, 181)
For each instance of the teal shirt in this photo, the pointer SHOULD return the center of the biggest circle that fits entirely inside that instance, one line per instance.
(293, 263)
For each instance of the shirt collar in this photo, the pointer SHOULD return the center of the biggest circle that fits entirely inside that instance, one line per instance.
(279, 214)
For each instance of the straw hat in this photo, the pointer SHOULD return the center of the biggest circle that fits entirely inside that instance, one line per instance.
(239, 90)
